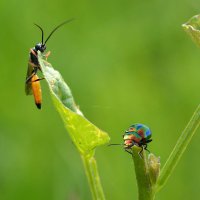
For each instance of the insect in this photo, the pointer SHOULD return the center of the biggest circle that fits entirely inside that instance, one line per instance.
(136, 135)
(36, 88)
(32, 84)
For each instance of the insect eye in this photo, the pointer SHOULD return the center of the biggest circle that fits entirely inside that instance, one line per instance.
(43, 47)
(38, 47)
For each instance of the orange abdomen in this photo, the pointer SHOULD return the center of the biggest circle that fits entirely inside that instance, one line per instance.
(37, 92)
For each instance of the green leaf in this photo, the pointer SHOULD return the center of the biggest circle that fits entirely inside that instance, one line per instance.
(192, 27)
(85, 135)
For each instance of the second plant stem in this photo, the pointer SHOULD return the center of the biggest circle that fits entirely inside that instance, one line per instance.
(93, 177)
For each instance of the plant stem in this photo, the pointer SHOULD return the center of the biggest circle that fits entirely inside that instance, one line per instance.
(93, 177)
(179, 148)
(146, 190)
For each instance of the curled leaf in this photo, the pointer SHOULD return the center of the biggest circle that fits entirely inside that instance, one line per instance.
(154, 168)
(192, 27)
(85, 135)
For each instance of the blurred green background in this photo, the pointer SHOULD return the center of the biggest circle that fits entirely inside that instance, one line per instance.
(126, 62)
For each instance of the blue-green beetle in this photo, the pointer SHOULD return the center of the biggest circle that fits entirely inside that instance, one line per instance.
(138, 135)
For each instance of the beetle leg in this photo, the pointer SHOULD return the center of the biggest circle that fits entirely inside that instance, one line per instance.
(140, 153)
(148, 140)
(128, 151)
(145, 147)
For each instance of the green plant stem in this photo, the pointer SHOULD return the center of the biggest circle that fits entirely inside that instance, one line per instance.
(179, 149)
(93, 177)
(146, 190)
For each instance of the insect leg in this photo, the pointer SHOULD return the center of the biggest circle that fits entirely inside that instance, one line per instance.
(39, 79)
(147, 141)
(34, 71)
(33, 52)
(30, 77)
(140, 153)
(130, 152)
(145, 147)
(47, 54)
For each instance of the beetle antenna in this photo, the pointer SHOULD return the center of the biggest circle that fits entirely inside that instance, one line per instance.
(114, 144)
(65, 22)
(41, 30)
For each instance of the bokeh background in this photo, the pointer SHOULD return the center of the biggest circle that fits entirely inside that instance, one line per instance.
(126, 62)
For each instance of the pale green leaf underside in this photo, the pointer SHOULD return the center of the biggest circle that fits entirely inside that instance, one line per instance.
(85, 135)
(192, 27)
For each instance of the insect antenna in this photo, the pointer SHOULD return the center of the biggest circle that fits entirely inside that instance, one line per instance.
(114, 144)
(65, 22)
(42, 32)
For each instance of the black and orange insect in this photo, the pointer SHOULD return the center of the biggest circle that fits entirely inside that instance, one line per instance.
(32, 85)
